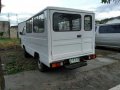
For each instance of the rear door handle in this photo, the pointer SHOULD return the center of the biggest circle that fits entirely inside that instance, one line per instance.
(79, 36)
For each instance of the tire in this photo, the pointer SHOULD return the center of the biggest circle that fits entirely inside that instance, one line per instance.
(26, 54)
(42, 67)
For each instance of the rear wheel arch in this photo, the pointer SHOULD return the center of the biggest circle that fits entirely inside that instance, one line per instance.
(26, 54)
(42, 67)
(36, 55)
(23, 47)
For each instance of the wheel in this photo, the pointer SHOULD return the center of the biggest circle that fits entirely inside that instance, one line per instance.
(42, 67)
(26, 54)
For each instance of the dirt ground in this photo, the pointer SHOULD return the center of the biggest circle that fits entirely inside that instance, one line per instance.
(102, 73)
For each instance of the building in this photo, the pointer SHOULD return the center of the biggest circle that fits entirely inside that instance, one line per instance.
(13, 31)
(5, 28)
(115, 20)
(110, 20)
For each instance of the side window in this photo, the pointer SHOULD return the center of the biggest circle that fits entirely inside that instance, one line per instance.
(29, 26)
(35, 24)
(116, 28)
(102, 29)
(66, 22)
(110, 29)
(87, 22)
(23, 31)
(38, 24)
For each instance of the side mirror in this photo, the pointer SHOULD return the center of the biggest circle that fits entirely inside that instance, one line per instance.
(21, 33)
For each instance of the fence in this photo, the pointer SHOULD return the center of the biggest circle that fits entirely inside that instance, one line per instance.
(2, 81)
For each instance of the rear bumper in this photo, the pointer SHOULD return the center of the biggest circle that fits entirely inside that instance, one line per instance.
(76, 65)
(66, 63)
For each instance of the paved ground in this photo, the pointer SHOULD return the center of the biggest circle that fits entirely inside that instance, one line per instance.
(100, 74)
(115, 88)
(53, 80)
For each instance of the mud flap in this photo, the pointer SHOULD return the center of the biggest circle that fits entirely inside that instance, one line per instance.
(76, 65)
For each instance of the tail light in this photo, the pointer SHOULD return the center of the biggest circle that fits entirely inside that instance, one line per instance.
(57, 64)
(93, 56)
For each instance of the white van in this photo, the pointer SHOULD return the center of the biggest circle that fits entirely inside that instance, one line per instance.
(59, 37)
(108, 35)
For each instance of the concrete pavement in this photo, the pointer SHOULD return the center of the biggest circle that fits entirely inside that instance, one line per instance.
(35, 80)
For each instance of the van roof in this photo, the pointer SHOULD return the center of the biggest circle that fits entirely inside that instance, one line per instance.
(62, 9)
(67, 9)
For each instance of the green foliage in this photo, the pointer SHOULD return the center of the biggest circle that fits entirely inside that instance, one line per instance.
(2, 40)
(14, 58)
(12, 68)
(16, 65)
(109, 1)
(8, 43)
(106, 1)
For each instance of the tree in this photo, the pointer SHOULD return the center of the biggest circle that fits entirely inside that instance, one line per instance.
(109, 1)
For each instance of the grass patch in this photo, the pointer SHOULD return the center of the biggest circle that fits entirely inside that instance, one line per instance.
(7, 40)
(7, 43)
(15, 61)
(14, 58)
(14, 67)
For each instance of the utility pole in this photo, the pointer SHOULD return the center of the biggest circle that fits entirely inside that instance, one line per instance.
(0, 5)
(17, 19)
(9, 25)
(17, 23)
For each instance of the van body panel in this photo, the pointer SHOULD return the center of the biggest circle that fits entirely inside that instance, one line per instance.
(66, 43)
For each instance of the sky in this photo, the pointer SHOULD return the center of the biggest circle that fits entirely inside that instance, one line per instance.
(21, 10)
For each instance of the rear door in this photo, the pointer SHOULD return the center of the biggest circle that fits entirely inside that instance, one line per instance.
(69, 39)
(88, 35)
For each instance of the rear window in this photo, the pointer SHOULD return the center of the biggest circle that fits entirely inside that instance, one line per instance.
(66, 22)
(109, 29)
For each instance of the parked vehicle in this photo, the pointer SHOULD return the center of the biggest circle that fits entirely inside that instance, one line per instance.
(59, 37)
(108, 35)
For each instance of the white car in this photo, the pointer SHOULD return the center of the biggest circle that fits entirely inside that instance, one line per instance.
(108, 35)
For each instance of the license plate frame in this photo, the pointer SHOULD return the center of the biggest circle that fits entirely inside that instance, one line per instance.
(74, 60)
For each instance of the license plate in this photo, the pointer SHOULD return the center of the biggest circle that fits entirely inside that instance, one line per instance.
(74, 60)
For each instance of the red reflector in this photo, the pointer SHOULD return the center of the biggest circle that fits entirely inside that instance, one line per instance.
(54, 65)
(93, 56)
(89, 57)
